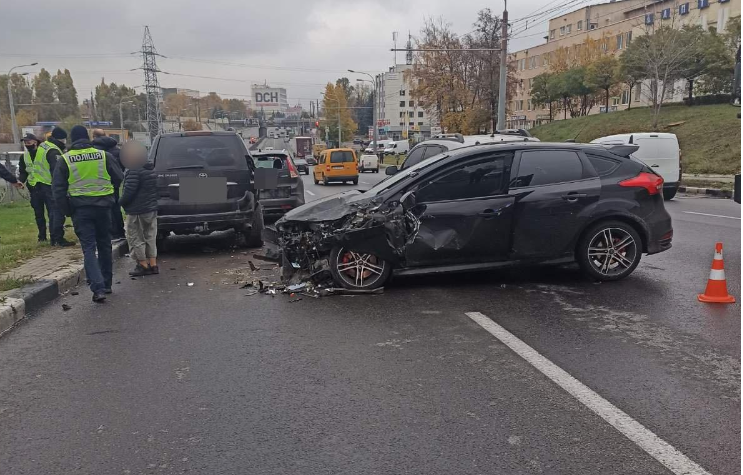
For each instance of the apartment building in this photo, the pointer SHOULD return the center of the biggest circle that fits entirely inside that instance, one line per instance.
(612, 25)
(400, 116)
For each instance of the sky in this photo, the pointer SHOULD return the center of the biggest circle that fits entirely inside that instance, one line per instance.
(230, 44)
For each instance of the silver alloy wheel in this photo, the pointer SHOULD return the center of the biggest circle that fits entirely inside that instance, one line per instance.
(360, 270)
(612, 251)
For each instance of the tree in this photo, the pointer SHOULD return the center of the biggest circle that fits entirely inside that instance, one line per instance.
(44, 93)
(22, 94)
(629, 78)
(178, 105)
(603, 74)
(709, 59)
(191, 125)
(346, 86)
(335, 106)
(659, 57)
(576, 85)
(64, 90)
(545, 90)
(235, 107)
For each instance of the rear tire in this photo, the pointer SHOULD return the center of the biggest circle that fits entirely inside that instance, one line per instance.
(609, 250)
(669, 193)
(371, 277)
(314, 178)
(254, 235)
(355, 181)
(325, 180)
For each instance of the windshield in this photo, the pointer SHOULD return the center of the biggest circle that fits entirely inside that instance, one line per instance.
(341, 157)
(404, 175)
(201, 151)
(276, 161)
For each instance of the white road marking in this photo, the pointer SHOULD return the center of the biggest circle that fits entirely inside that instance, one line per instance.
(713, 215)
(309, 192)
(363, 183)
(656, 447)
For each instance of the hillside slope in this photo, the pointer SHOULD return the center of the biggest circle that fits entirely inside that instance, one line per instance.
(709, 135)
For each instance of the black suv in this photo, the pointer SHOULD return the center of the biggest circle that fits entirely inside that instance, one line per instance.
(484, 207)
(206, 183)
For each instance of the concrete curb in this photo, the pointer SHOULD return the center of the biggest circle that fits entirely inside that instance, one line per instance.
(20, 302)
(706, 191)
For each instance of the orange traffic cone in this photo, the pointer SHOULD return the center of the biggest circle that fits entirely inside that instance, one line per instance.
(717, 287)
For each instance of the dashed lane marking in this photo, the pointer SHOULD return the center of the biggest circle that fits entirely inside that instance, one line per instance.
(713, 215)
(656, 447)
(309, 192)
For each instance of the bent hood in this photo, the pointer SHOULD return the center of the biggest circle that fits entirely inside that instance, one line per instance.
(329, 208)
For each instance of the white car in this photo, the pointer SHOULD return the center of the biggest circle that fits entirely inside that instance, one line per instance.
(659, 151)
(369, 162)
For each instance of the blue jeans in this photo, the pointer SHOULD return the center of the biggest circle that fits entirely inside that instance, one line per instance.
(93, 228)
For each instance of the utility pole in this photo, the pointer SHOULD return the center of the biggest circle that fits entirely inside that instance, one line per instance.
(503, 68)
(152, 87)
(13, 124)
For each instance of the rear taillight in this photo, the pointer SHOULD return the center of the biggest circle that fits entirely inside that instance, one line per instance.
(650, 181)
(292, 169)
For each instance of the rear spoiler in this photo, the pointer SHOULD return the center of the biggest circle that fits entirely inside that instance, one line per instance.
(622, 150)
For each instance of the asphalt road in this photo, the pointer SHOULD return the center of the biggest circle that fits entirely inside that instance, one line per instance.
(169, 377)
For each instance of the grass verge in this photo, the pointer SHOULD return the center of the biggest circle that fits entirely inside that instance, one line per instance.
(14, 283)
(709, 135)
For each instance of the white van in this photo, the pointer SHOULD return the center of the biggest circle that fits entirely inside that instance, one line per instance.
(659, 151)
(381, 145)
(369, 162)
(397, 147)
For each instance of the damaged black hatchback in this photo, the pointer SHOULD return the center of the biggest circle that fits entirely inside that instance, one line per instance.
(484, 207)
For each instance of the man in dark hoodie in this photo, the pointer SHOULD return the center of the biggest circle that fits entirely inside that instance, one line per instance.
(110, 145)
(83, 187)
(36, 169)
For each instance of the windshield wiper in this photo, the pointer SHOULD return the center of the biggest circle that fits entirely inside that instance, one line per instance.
(185, 167)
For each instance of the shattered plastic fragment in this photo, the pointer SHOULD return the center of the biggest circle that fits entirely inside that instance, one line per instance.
(190, 284)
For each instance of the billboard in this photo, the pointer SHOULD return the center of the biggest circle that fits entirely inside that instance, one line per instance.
(267, 96)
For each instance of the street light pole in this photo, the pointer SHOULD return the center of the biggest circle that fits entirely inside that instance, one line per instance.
(374, 109)
(13, 124)
(503, 59)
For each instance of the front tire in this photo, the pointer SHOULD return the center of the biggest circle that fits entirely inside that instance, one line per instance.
(358, 271)
(355, 181)
(609, 250)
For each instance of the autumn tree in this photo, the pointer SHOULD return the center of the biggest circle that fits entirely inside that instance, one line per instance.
(178, 105)
(545, 91)
(191, 125)
(336, 110)
(22, 94)
(603, 74)
(109, 96)
(66, 94)
(44, 93)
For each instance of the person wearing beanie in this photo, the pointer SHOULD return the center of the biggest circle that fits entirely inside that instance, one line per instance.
(109, 144)
(55, 144)
(83, 188)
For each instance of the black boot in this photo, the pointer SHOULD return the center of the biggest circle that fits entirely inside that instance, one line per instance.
(153, 270)
(139, 271)
(63, 243)
(99, 297)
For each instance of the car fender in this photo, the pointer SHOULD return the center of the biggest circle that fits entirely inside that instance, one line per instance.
(620, 215)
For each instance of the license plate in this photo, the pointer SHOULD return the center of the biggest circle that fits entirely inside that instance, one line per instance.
(338, 167)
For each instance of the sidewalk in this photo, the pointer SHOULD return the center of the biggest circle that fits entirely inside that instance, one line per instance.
(47, 276)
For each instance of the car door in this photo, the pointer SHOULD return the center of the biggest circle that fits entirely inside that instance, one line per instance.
(661, 154)
(465, 213)
(317, 170)
(555, 191)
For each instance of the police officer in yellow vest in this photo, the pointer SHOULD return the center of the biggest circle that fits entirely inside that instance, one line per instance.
(36, 169)
(83, 187)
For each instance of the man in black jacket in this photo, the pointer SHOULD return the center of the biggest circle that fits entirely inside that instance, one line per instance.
(9, 177)
(110, 145)
(83, 188)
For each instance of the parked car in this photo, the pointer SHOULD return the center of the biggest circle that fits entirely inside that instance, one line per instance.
(381, 145)
(204, 182)
(397, 147)
(357, 141)
(289, 193)
(369, 162)
(311, 160)
(445, 142)
(660, 151)
(486, 207)
(336, 165)
(302, 165)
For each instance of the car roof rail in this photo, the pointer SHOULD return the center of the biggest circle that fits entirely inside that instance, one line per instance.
(624, 150)
(455, 137)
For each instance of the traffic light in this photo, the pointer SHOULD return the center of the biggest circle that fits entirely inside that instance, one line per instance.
(317, 123)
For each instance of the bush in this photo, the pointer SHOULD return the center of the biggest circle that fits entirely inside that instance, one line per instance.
(709, 99)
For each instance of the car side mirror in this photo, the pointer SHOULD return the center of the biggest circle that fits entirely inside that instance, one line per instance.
(408, 201)
(391, 170)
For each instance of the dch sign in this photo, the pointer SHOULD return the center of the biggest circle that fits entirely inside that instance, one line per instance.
(266, 97)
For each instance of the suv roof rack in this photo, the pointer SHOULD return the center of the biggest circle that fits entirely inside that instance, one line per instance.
(455, 137)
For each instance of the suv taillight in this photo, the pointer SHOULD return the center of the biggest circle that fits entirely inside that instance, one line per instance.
(650, 181)
(292, 169)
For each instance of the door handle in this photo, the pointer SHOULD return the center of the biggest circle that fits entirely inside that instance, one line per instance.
(655, 166)
(489, 213)
(573, 196)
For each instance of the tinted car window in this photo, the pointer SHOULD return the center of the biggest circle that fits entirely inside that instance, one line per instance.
(207, 151)
(276, 161)
(603, 166)
(432, 150)
(484, 177)
(542, 167)
(414, 157)
(341, 157)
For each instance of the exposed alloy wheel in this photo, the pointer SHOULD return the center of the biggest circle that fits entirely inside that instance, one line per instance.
(610, 250)
(355, 270)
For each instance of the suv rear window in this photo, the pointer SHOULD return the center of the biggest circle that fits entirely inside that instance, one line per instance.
(200, 151)
(543, 167)
(277, 161)
(341, 157)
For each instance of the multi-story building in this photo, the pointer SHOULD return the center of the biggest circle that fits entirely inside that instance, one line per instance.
(401, 116)
(192, 93)
(611, 26)
(269, 99)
